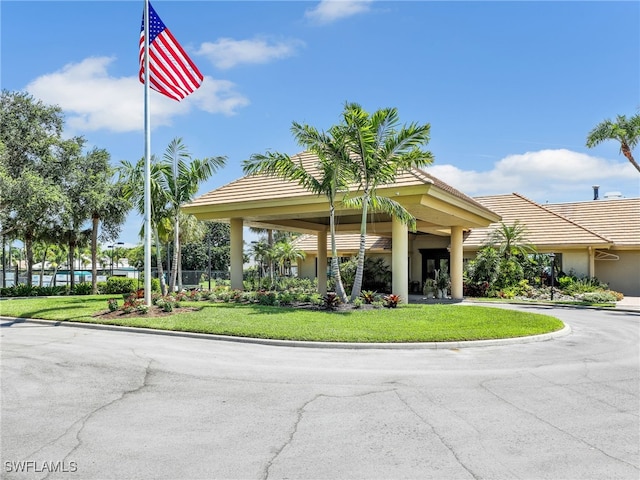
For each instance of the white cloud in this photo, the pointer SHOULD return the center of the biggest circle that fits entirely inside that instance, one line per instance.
(94, 100)
(328, 11)
(227, 52)
(546, 175)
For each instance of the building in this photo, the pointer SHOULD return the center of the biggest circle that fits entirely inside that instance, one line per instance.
(443, 216)
(598, 238)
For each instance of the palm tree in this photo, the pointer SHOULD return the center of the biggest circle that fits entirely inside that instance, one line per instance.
(626, 131)
(182, 185)
(510, 240)
(132, 178)
(41, 250)
(286, 254)
(380, 152)
(190, 230)
(269, 233)
(331, 178)
(261, 252)
(59, 256)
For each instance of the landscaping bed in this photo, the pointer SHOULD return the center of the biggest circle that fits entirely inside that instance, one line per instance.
(404, 324)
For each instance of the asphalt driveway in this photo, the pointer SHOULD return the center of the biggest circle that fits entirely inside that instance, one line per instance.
(96, 404)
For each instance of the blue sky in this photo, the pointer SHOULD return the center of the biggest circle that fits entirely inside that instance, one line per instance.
(511, 89)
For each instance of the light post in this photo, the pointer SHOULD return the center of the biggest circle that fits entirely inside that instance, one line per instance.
(552, 256)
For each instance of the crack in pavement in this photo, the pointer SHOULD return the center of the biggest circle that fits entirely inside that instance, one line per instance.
(299, 415)
(479, 434)
(440, 437)
(586, 394)
(546, 422)
(83, 421)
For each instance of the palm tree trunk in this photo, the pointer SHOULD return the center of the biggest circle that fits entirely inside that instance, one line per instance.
(357, 281)
(72, 273)
(270, 243)
(335, 266)
(179, 267)
(44, 259)
(28, 245)
(626, 151)
(94, 254)
(163, 283)
(174, 262)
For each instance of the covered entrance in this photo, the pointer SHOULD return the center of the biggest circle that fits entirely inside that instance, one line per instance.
(434, 259)
(269, 202)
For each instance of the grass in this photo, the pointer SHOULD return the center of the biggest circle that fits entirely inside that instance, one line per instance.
(407, 323)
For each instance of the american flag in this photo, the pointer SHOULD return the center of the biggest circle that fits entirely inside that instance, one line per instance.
(171, 71)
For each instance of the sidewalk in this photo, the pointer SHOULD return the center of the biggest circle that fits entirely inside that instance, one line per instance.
(629, 302)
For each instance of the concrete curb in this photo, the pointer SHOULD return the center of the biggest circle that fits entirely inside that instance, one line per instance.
(302, 344)
(623, 309)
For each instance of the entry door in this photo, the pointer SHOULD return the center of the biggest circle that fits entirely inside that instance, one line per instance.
(434, 259)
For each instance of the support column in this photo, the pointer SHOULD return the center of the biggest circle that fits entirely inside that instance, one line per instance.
(322, 262)
(456, 263)
(400, 260)
(592, 262)
(237, 244)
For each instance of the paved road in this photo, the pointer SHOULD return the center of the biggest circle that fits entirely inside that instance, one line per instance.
(103, 404)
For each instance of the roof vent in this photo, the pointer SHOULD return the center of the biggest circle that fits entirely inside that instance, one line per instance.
(595, 192)
(612, 195)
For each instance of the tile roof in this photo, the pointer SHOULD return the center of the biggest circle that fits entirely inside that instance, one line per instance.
(262, 187)
(545, 228)
(615, 219)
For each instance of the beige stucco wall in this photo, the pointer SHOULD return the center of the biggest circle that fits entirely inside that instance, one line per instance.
(622, 275)
(307, 267)
(576, 262)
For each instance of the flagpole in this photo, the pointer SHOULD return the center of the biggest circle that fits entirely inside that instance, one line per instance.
(147, 163)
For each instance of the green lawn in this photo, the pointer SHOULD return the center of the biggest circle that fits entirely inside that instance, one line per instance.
(407, 323)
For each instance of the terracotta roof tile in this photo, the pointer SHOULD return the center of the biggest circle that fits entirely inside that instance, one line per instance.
(544, 226)
(264, 187)
(616, 219)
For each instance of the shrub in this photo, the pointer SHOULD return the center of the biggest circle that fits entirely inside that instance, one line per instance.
(391, 301)
(286, 298)
(142, 308)
(52, 291)
(264, 297)
(20, 290)
(566, 283)
(369, 296)
(23, 290)
(167, 307)
(112, 303)
(82, 289)
(357, 302)
(619, 296)
(598, 297)
(476, 289)
(128, 306)
(510, 272)
(316, 299)
(120, 285)
(331, 301)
